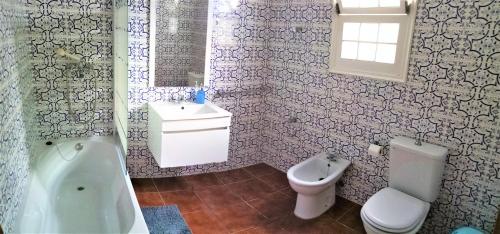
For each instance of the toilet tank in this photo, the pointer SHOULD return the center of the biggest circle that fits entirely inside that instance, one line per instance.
(416, 170)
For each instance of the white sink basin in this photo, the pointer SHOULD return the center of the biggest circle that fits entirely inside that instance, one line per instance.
(182, 134)
(187, 110)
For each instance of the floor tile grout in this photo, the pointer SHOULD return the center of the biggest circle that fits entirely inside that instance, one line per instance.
(154, 184)
(258, 211)
(158, 191)
(209, 210)
(246, 229)
(343, 214)
(355, 231)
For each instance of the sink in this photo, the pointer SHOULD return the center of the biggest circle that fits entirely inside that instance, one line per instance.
(187, 110)
(174, 128)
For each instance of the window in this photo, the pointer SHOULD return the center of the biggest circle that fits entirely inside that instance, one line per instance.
(372, 38)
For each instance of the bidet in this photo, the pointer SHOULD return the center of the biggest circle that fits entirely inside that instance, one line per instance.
(315, 191)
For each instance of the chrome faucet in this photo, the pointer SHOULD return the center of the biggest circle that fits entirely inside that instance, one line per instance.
(418, 142)
(177, 100)
(331, 157)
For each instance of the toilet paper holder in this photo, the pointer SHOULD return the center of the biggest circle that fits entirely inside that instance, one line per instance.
(375, 149)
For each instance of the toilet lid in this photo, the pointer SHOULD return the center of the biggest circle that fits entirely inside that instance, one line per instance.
(392, 210)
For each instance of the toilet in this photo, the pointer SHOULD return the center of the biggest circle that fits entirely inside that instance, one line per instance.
(415, 173)
(314, 181)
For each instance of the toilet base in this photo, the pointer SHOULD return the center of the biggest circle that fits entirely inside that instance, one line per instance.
(312, 206)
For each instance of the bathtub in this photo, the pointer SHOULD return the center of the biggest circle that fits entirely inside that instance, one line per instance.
(85, 191)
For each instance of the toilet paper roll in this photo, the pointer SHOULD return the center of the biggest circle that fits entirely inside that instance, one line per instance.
(374, 150)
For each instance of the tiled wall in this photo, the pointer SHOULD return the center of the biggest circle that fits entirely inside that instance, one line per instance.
(237, 62)
(451, 97)
(180, 33)
(83, 28)
(16, 105)
(268, 73)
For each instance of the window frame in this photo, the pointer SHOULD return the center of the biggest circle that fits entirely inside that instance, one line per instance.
(383, 71)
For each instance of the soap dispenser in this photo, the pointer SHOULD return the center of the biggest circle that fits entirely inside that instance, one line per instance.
(200, 95)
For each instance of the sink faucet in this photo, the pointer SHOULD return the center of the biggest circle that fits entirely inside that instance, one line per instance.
(177, 100)
(331, 156)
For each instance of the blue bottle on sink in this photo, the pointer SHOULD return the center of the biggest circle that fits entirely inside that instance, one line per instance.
(200, 96)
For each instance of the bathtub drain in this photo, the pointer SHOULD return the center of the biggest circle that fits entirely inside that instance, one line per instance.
(80, 188)
(78, 146)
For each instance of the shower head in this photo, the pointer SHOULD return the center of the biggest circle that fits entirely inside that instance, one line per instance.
(63, 53)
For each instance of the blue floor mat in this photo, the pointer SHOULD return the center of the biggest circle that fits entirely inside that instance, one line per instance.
(165, 220)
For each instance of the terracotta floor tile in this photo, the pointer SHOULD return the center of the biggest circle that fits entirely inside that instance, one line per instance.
(268, 228)
(338, 228)
(340, 207)
(261, 169)
(250, 189)
(274, 205)
(233, 176)
(289, 192)
(201, 222)
(202, 180)
(217, 196)
(238, 217)
(215, 203)
(320, 225)
(353, 220)
(149, 199)
(143, 185)
(187, 201)
(171, 184)
(277, 180)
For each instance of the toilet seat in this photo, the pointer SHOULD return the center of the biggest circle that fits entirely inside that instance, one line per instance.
(393, 211)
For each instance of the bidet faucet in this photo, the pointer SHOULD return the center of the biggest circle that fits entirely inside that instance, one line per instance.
(331, 156)
(418, 142)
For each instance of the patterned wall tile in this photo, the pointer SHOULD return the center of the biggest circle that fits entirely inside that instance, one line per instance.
(83, 28)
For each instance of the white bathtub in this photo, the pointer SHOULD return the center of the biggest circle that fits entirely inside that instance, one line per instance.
(87, 194)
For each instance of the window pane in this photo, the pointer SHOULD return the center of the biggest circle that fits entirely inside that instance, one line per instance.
(350, 3)
(386, 53)
(350, 31)
(349, 50)
(388, 33)
(368, 32)
(368, 3)
(389, 3)
(366, 51)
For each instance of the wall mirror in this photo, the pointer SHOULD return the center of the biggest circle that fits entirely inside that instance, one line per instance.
(180, 42)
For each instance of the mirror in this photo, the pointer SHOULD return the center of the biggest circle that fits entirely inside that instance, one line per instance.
(180, 42)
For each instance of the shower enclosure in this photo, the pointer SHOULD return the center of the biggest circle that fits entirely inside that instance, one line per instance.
(120, 72)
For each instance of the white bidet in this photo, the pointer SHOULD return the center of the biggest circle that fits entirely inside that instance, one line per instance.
(314, 181)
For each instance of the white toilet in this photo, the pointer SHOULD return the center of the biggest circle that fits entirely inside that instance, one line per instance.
(314, 181)
(415, 172)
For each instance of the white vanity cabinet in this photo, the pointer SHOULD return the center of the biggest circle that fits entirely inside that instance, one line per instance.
(183, 134)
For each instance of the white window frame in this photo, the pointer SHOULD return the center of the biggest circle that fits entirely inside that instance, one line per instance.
(398, 71)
